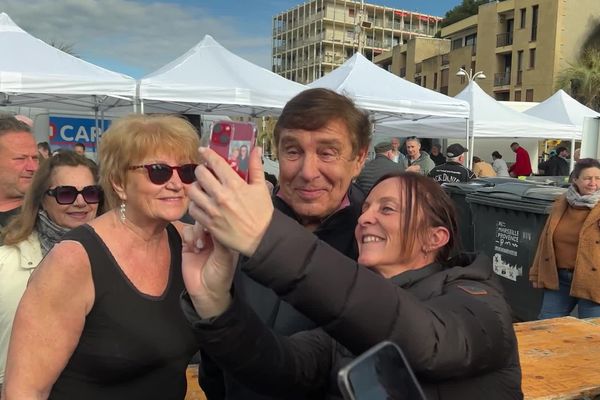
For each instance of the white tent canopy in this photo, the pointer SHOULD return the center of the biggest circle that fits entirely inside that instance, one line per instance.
(562, 108)
(211, 79)
(488, 118)
(387, 96)
(33, 73)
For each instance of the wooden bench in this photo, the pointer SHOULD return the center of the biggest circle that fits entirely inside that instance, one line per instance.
(193, 389)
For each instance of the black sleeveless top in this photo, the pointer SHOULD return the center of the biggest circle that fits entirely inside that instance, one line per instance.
(133, 346)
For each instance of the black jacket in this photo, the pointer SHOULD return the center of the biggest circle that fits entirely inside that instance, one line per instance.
(451, 321)
(338, 231)
(451, 172)
(555, 166)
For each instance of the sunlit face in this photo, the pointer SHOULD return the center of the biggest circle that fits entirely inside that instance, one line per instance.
(146, 201)
(395, 144)
(78, 213)
(79, 150)
(588, 181)
(316, 169)
(378, 232)
(413, 149)
(18, 163)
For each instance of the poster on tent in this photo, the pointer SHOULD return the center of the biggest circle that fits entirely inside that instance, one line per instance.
(66, 130)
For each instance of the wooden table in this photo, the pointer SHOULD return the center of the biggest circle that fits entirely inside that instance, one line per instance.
(560, 358)
(193, 389)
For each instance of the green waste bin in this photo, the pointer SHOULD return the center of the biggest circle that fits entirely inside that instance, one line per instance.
(507, 221)
(458, 192)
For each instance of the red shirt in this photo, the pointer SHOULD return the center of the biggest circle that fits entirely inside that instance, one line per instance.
(522, 165)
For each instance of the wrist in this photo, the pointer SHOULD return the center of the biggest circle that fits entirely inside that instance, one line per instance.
(211, 306)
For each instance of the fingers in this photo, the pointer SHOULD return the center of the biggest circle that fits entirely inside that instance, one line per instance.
(255, 167)
(219, 167)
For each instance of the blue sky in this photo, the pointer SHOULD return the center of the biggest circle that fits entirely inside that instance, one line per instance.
(136, 37)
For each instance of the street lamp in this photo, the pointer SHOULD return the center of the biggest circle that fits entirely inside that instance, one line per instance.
(470, 75)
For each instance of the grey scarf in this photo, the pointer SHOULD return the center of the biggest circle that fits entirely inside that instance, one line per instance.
(578, 200)
(49, 232)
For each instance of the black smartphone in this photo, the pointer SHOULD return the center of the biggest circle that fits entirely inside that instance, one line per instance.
(380, 373)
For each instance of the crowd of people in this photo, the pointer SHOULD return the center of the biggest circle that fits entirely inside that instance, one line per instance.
(106, 293)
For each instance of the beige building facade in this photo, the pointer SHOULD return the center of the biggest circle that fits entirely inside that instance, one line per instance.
(520, 45)
(313, 38)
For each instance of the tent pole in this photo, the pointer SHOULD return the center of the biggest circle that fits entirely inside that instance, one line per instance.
(572, 160)
(468, 163)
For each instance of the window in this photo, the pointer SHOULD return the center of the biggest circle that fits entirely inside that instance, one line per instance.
(529, 95)
(517, 95)
(457, 43)
(531, 58)
(425, 81)
(471, 40)
(534, 22)
(523, 18)
(351, 12)
(462, 77)
(435, 77)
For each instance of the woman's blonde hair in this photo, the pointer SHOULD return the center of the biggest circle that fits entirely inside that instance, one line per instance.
(21, 226)
(131, 139)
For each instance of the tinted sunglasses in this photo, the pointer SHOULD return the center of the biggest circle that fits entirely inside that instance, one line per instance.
(67, 194)
(161, 173)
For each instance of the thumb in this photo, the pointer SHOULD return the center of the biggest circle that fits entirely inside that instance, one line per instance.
(255, 168)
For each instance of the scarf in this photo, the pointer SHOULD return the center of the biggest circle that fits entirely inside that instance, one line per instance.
(49, 232)
(578, 200)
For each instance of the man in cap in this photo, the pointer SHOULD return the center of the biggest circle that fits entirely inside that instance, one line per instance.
(381, 165)
(453, 170)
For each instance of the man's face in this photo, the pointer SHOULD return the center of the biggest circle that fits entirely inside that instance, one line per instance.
(395, 144)
(316, 169)
(413, 149)
(18, 162)
(514, 147)
(80, 150)
(435, 150)
(564, 153)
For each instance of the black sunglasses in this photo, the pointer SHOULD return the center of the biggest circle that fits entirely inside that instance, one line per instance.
(67, 194)
(161, 173)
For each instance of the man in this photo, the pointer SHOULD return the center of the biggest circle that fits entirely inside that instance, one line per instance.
(322, 141)
(557, 165)
(397, 156)
(18, 163)
(381, 165)
(417, 157)
(453, 169)
(436, 154)
(79, 148)
(522, 165)
(481, 169)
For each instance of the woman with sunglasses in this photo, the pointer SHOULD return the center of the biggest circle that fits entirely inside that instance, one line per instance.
(63, 195)
(101, 319)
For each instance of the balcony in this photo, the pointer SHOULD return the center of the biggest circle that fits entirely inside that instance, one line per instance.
(504, 39)
(502, 79)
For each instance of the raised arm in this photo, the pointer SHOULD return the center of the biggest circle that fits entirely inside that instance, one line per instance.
(49, 322)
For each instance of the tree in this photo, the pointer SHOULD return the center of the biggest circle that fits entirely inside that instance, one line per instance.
(68, 48)
(462, 11)
(582, 78)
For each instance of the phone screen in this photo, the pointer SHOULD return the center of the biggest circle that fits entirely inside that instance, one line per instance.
(381, 373)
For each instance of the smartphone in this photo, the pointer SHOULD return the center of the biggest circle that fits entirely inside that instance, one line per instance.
(381, 373)
(233, 141)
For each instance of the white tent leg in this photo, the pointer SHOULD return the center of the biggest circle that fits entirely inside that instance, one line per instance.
(572, 161)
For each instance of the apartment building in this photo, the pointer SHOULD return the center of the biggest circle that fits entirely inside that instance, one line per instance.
(520, 45)
(313, 38)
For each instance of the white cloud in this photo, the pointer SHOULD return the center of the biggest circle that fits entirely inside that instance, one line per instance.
(141, 35)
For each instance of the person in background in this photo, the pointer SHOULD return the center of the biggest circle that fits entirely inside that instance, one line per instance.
(499, 165)
(100, 318)
(556, 165)
(522, 165)
(18, 162)
(44, 150)
(566, 260)
(481, 169)
(436, 154)
(417, 157)
(397, 155)
(79, 148)
(381, 165)
(63, 195)
(322, 141)
(453, 170)
(447, 314)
